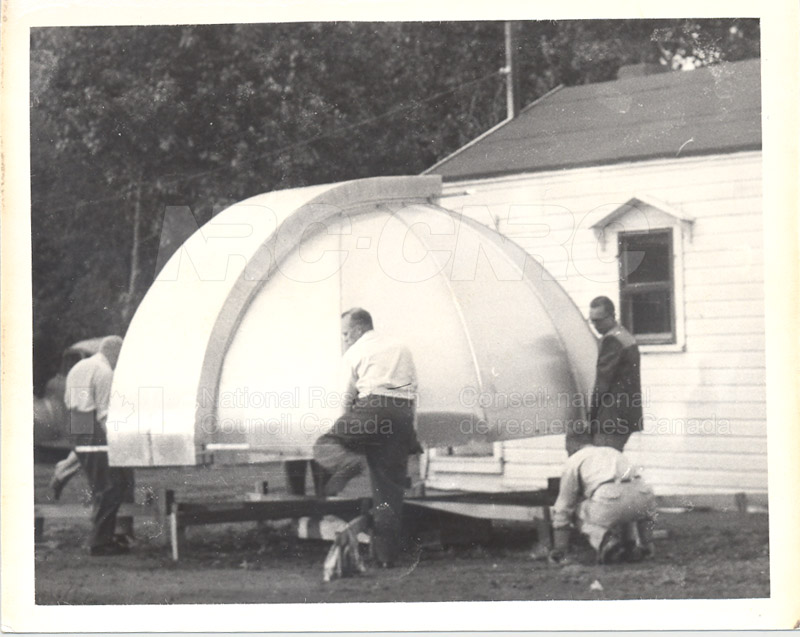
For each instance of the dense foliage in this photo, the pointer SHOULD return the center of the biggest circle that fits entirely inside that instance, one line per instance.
(128, 120)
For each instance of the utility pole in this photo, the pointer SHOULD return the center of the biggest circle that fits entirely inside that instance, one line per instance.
(512, 74)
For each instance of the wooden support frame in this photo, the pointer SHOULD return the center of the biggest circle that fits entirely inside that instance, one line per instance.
(181, 515)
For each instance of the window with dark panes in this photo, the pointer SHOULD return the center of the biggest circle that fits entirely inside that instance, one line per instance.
(646, 285)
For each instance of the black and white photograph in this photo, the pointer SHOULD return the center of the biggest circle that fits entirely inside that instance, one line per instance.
(357, 312)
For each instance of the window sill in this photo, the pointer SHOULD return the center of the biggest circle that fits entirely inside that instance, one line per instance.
(666, 348)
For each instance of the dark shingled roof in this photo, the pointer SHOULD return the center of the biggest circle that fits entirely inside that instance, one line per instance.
(715, 109)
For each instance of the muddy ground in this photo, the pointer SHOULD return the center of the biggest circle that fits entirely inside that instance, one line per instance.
(706, 554)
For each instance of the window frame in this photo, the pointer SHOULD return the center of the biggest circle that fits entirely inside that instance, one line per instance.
(628, 290)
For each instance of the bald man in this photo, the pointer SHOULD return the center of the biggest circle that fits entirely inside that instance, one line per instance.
(87, 396)
(380, 385)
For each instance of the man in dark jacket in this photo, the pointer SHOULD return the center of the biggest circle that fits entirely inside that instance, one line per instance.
(615, 409)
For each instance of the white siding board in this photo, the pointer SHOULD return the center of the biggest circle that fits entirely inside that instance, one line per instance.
(739, 292)
(678, 413)
(539, 443)
(725, 325)
(724, 208)
(465, 482)
(709, 192)
(654, 393)
(711, 377)
(724, 309)
(654, 447)
(695, 360)
(726, 343)
(728, 257)
(703, 239)
(719, 221)
(714, 195)
(731, 428)
(665, 479)
(710, 276)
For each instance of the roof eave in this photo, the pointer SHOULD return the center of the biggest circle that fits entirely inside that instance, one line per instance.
(621, 160)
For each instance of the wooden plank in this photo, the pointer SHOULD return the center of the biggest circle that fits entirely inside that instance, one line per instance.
(483, 511)
(245, 511)
(525, 498)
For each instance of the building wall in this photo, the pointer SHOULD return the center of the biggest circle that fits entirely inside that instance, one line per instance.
(705, 405)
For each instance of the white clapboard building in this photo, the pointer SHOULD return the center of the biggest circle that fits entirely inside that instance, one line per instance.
(646, 189)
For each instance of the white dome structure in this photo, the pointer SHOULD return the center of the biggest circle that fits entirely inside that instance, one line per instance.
(237, 343)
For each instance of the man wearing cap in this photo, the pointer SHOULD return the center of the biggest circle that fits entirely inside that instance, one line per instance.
(87, 397)
(380, 389)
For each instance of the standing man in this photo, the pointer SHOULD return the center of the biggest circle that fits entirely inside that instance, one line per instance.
(615, 408)
(87, 396)
(378, 422)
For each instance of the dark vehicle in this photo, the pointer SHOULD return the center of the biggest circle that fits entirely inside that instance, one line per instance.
(49, 411)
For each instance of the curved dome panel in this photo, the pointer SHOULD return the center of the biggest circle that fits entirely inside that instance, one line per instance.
(251, 359)
(277, 389)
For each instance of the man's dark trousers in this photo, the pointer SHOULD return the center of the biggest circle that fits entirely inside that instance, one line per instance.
(382, 429)
(110, 486)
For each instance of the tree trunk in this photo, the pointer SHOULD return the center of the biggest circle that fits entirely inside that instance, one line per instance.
(129, 308)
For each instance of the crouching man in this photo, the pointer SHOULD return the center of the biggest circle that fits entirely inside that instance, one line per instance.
(614, 506)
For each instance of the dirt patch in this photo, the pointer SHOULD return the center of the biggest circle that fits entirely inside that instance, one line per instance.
(709, 555)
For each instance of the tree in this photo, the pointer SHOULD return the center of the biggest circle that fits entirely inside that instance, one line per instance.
(126, 121)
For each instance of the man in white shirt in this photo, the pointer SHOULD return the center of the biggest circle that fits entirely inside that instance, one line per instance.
(87, 396)
(380, 386)
(615, 507)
